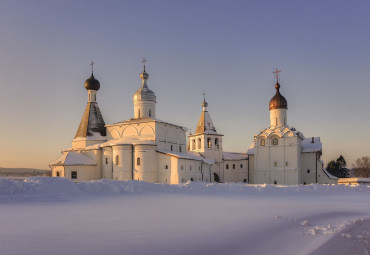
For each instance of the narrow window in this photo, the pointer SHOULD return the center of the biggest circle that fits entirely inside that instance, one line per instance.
(138, 161)
(191, 179)
(262, 142)
(117, 160)
(233, 166)
(166, 166)
(227, 166)
(308, 171)
(57, 174)
(106, 161)
(209, 142)
(150, 112)
(286, 163)
(304, 183)
(180, 149)
(182, 168)
(190, 168)
(275, 141)
(138, 113)
(275, 182)
(89, 97)
(275, 164)
(74, 175)
(244, 180)
(216, 143)
(95, 97)
(241, 165)
(199, 143)
(193, 146)
(171, 147)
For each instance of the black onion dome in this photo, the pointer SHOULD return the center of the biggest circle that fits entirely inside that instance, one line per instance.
(278, 101)
(92, 83)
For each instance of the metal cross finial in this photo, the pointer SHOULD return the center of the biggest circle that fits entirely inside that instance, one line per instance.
(276, 73)
(144, 61)
(204, 96)
(92, 66)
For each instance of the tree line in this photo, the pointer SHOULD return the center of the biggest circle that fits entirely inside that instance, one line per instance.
(338, 167)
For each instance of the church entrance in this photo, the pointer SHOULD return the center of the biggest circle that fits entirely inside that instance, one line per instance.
(216, 178)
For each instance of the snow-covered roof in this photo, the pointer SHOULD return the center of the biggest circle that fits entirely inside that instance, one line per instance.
(251, 148)
(311, 144)
(330, 175)
(73, 158)
(234, 156)
(144, 120)
(187, 155)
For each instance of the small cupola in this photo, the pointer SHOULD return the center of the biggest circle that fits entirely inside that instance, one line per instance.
(92, 83)
(278, 101)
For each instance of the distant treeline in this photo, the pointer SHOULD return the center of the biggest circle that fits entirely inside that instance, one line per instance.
(24, 172)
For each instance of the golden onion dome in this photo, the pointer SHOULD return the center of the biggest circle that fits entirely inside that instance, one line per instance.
(278, 101)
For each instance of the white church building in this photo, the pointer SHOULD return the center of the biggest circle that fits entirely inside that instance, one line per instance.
(148, 149)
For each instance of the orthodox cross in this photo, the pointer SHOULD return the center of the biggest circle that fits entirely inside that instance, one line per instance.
(144, 61)
(92, 66)
(204, 96)
(276, 74)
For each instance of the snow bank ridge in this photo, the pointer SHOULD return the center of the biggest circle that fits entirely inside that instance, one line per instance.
(54, 189)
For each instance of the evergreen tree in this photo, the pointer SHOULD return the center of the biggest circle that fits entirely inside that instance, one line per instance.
(338, 167)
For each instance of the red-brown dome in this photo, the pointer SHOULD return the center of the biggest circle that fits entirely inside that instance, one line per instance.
(278, 101)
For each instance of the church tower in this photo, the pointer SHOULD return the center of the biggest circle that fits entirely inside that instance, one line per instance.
(92, 127)
(206, 140)
(144, 98)
(278, 106)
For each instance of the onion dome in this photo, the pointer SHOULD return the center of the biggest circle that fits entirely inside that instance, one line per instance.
(278, 101)
(92, 83)
(144, 93)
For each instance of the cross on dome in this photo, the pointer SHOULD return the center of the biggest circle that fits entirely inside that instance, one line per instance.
(276, 74)
(92, 66)
(144, 61)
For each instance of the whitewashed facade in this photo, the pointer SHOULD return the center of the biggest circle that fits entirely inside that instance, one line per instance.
(145, 148)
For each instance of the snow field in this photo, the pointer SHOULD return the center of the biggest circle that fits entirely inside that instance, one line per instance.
(56, 216)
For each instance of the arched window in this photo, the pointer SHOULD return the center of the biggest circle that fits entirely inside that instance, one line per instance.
(95, 97)
(171, 147)
(117, 160)
(233, 166)
(180, 149)
(150, 112)
(193, 144)
(199, 143)
(106, 161)
(227, 166)
(166, 166)
(138, 113)
(209, 142)
(216, 143)
(138, 161)
(262, 142)
(308, 171)
(275, 182)
(57, 174)
(275, 141)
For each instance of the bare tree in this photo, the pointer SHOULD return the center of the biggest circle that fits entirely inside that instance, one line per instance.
(361, 167)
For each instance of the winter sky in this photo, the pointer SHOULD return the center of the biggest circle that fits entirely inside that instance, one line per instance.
(226, 48)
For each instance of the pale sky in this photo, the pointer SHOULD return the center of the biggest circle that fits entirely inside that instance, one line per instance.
(226, 48)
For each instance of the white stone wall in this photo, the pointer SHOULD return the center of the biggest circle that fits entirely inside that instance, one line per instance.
(278, 117)
(144, 109)
(122, 169)
(147, 169)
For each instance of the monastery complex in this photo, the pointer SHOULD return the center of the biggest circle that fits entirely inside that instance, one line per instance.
(148, 149)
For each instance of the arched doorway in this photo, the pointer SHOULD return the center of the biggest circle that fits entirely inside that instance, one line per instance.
(216, 178)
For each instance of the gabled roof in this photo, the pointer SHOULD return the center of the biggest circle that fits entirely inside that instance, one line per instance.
(92, 122)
